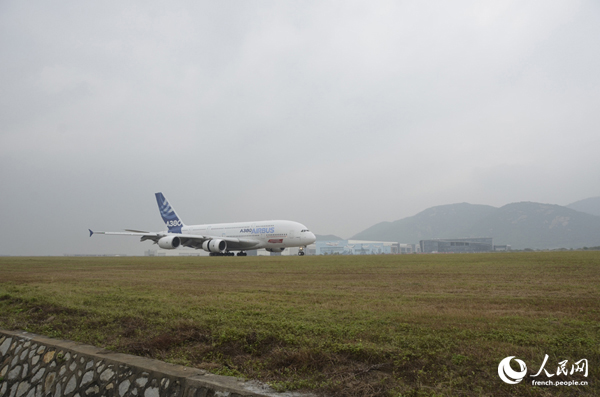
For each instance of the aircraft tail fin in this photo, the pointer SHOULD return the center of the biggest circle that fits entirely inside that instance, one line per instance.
(168, 214)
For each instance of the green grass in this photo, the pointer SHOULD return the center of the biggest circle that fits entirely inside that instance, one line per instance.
(407, 325)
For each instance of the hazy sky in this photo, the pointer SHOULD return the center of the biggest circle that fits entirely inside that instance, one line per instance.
(338, 115)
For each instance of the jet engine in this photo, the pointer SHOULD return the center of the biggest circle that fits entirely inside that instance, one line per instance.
(280, 249)
(214, 245)
(169, 242)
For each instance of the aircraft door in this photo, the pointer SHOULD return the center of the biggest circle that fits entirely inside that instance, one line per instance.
(293, 238)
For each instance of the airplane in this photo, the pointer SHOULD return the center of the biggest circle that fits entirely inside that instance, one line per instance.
(221, 239)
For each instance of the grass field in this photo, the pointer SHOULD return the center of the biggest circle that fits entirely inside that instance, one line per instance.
(406, 325)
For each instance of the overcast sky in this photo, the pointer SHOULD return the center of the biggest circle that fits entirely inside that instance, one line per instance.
(338, 115)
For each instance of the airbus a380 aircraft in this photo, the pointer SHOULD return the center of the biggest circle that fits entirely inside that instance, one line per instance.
(222, 238)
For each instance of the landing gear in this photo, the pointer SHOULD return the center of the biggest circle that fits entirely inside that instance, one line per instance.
(242, 253)
(301, 251)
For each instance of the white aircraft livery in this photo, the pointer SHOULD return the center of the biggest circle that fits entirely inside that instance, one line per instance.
(223, 238)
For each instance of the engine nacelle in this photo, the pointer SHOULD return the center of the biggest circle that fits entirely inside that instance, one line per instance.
(214, 245)
(280, 249)
(169, 242)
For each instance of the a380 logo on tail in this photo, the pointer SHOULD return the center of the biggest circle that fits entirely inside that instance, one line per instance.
(173, 223)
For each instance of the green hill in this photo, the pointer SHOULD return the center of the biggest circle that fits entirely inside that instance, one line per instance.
(589, 206)
(521, 225)
(443, 221)
(535, 225)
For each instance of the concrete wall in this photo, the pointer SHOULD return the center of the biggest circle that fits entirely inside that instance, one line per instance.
(35, 366)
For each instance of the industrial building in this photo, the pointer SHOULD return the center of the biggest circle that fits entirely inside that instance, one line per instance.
(481, 244)
(354, 247)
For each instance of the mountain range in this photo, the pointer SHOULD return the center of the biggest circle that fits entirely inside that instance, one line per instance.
(590, 206)
(520, 225)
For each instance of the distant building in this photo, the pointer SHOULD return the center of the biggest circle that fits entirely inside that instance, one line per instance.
(353, 247)
(482, 244)
(501, 247)
(408, 248)
(178, 252)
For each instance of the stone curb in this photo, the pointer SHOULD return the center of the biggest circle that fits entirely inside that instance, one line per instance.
(35, 366)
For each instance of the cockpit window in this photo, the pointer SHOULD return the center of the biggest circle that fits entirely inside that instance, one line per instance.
(305, 230)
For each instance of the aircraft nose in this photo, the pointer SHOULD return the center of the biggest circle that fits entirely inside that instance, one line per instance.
(311, 238)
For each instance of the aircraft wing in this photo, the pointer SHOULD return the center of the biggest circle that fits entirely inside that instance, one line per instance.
(131, 233)
(187, 240)
(143, 235)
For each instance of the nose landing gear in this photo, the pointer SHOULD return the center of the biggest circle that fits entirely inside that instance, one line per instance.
(301, 251)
